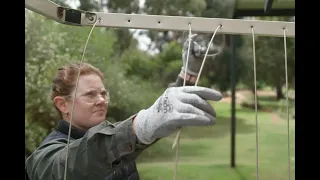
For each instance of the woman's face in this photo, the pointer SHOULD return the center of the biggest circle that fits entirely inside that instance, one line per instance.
(91, 102)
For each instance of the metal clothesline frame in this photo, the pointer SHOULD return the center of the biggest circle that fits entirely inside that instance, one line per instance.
(159, 22)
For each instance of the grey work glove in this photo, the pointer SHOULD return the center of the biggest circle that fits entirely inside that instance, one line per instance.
(175, 108)
(195, 57)
(196, 54)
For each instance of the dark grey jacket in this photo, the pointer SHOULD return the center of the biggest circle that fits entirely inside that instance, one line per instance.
(105, 152)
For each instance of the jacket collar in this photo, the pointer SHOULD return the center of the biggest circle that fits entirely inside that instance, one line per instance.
(63, 127)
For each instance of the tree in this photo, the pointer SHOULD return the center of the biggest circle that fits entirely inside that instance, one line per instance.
(269, 61)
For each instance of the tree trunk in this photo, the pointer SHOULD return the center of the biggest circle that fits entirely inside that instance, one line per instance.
(279, 92)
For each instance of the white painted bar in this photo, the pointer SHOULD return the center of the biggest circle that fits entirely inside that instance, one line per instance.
(173, 23)
(198, 24)
(44, 7)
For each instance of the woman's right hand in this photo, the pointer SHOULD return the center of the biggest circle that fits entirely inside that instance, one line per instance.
(177, 107)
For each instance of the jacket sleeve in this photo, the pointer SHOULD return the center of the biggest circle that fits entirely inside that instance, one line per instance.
(94, 156)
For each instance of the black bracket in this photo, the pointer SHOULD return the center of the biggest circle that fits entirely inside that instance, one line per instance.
(72, 16)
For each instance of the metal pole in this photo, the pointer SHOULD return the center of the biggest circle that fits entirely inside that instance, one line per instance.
(233, 101)
(267, 5)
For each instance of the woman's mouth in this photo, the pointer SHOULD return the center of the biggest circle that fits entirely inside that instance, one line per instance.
(99, 111)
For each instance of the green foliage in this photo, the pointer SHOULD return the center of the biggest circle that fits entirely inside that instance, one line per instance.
(43, 57)
(282, 109)
(137, 63)
(128, 94)
(169, 63)
(174, 8)
(34, 134)
(160, 69)
(218, 70)
(171, 52)
(270, 64)
(219, 9)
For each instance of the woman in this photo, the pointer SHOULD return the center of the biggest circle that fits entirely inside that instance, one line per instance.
(101, 150)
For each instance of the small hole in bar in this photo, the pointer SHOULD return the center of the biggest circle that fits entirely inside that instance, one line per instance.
(129, 20)
(284, 28)
(220, 25)
(159, 22)
(251, 26)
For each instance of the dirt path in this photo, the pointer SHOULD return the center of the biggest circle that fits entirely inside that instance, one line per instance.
(275, 118)
(242, 94)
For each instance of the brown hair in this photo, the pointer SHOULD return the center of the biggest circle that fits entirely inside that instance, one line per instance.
(64, 81)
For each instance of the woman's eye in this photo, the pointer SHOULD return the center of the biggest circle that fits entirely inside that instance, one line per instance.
(91, 94)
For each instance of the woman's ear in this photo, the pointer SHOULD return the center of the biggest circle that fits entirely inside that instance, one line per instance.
(61, 104)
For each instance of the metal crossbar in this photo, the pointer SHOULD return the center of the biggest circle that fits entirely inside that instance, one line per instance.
(158, 22)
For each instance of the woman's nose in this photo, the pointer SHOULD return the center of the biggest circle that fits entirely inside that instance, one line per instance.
(101, 100)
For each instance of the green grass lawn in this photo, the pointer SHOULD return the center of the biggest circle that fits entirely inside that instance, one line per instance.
(205, 152)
